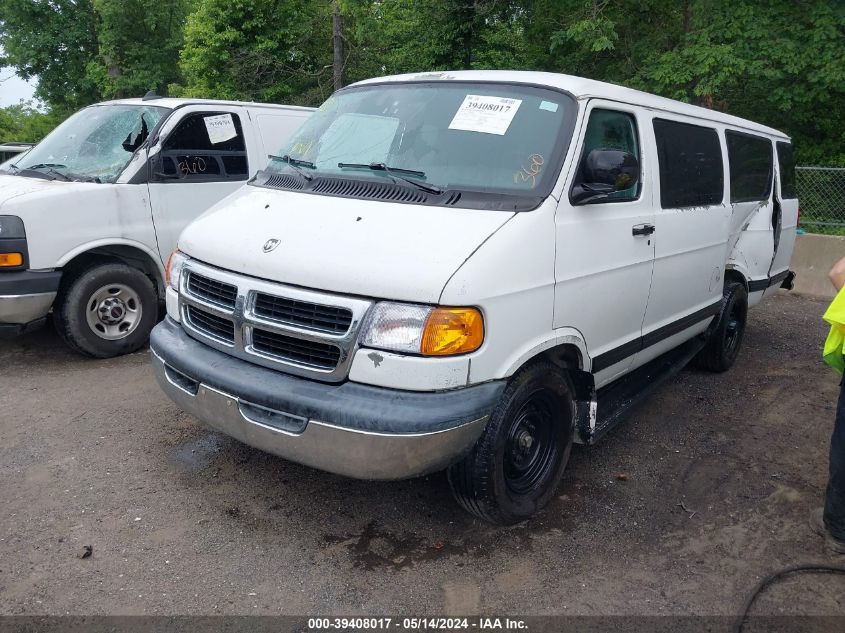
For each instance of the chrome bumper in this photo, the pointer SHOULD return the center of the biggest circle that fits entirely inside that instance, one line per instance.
(350, 452)
(22, 309)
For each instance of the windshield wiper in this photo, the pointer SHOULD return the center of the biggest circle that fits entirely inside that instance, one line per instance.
(50, 169)
(296, 163)
(395, 173)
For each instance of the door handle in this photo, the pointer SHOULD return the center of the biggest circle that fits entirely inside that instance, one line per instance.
(642, 229)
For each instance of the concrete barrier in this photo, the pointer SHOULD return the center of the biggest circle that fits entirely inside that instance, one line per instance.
(812, 259)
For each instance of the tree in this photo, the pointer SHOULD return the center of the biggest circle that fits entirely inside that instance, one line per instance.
(777, 62)
(24, 123)
(139, 44)
(52, 41)
(266, 50)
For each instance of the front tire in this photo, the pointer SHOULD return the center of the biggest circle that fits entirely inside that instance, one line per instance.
(517, 464)
(725, 335)
(106, 310)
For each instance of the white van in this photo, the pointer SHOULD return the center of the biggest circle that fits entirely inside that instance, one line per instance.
(89, 215)
(470, 271)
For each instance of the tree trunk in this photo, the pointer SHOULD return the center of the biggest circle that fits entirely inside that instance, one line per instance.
(337, 37)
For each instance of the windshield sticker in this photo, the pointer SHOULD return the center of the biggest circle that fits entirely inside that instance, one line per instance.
(551, 106)
(220, 128)
(529, 173)
(491, 115)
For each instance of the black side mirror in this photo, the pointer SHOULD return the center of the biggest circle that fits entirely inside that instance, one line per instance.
(602, 172)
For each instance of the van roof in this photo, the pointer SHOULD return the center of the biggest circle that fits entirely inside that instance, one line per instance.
(582, 88)
(172, 102)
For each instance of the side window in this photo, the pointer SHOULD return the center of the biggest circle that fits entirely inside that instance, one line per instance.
(616, 132)
(786, 164)
(690, 160)
(205, 146)
(751, 166)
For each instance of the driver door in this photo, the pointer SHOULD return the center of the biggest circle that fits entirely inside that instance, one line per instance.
(605, 253)
(199, 159)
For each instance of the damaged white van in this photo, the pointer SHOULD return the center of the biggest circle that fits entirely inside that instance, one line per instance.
(470, 271)
(90, 214)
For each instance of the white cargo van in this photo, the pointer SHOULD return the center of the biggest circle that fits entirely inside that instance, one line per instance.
(470, 271)
(89, 215)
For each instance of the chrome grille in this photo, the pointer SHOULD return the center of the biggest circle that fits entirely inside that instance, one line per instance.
(297, 331)
(212, 290)
(287, 348)
(303, 314)
(211, 324)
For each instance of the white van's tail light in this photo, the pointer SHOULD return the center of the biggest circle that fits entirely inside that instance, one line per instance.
(425, 330)
(173, 272)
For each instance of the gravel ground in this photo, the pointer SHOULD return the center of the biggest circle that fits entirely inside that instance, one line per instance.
(722, 471)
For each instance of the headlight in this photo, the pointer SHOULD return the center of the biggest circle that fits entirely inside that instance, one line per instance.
(425, 330)
(173, 273)
(11, 226)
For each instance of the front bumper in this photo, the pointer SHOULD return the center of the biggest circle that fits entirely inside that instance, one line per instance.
(350, 429)
(26, 297)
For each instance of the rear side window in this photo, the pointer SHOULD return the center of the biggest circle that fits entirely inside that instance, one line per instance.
(786, 165)
(205, 146)
(751, 165)
(690, 161)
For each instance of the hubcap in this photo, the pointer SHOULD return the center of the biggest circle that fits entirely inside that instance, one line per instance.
(113, 312)
(531, 450)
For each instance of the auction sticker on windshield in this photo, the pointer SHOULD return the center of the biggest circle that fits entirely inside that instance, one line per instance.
(491, 115)
(220, 128)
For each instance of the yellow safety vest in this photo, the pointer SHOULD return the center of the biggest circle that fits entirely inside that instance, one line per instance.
(834, 346)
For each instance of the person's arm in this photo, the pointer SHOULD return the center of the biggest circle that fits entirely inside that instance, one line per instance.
(837, 274)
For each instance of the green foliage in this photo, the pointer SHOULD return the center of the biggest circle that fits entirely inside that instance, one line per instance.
(779, 62)
(54, 42)
(25, 124)
(266, 50)
(139, 43)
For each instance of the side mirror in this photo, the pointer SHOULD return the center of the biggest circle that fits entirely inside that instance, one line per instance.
(602, 172)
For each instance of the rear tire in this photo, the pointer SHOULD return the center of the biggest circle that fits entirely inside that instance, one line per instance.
(106, 310)
(725, 334)
(518, 462)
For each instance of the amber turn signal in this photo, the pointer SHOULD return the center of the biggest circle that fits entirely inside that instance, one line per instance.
(11, 259)
(450, 331)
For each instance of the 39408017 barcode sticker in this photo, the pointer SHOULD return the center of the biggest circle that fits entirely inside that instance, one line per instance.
(491, 115)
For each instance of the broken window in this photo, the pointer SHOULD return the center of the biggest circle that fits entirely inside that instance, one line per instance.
(205, 146)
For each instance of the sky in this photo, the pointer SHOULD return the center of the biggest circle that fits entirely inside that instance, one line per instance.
(13, 88)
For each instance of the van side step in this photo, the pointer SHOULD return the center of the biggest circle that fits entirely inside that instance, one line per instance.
(618, 398)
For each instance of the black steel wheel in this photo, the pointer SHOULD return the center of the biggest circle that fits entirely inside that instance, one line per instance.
(516, 465)
(724, 337)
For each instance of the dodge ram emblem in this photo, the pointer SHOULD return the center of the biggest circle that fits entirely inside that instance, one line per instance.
(271, 244)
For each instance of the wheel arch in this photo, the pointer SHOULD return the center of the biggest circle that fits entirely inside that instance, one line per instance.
(130, 253)
(568, 351)
(734, 273)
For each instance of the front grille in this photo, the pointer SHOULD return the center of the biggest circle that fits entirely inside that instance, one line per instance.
(301, 351)
(313, 316)
(295, 330)
(211, 324)
(213, 291)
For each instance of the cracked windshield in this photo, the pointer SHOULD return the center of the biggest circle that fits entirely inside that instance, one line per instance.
(94, 144)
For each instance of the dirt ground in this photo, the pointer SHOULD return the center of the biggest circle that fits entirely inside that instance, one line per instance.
(722, 472)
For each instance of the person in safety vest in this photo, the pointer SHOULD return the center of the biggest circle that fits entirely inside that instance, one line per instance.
(830, 520)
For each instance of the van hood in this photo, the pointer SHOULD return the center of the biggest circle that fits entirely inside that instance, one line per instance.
(16, 186)
(369, 248)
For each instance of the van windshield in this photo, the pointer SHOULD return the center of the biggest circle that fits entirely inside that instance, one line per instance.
(95, 144)
(471, 136)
